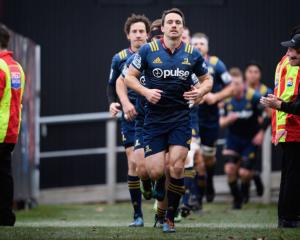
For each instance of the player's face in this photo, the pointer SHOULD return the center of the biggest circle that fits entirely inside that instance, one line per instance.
(186, 36)
(238, 85)
(253, 74)
(201, 44)
(294, 56)
(137, 34)
(173, 26)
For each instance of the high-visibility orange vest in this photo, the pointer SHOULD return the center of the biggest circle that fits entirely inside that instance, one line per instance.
(286, 127)
(11, 101)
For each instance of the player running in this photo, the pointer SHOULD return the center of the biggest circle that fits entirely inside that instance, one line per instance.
(136, 28)
(168, 63)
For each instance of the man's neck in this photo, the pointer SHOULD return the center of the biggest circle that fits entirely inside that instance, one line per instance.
(172, 44)
(254, 85)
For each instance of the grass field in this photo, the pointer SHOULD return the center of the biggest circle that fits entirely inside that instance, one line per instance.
(100, 221)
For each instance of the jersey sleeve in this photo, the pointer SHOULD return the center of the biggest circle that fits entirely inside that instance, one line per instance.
(221, 70)
(200, 67)
(126, 65)
(2, 83)
(139, 60)
(114, 70)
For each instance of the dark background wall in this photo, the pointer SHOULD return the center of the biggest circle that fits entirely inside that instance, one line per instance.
(79, 37)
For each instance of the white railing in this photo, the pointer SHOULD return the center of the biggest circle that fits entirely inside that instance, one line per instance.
(111, 191)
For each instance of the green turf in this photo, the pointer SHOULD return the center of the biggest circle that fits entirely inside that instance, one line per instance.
(100, 221)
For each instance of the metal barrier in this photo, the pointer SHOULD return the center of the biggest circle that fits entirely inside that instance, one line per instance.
(113, 191)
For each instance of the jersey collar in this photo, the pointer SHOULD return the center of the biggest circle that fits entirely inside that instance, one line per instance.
(168, 49)
(6, 53)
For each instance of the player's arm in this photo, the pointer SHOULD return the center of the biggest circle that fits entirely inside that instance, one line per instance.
(114, 105)
(228, 119)
(200, 89)
(131, 80)
(128, 108)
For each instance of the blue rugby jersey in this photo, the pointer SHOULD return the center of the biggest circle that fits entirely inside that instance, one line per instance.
(117, 65)
(209, 114)
(248, 108)
(173, 74)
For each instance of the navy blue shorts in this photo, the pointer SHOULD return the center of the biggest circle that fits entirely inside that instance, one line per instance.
(128, 132)
(139, 125)
(244, 147)
(158, 137)
(209, 134)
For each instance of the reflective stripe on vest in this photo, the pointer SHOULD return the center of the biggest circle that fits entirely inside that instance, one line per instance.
(14, 77)
(285, 87)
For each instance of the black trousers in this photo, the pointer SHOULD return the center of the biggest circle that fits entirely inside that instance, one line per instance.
(289, 195)
(7, 216)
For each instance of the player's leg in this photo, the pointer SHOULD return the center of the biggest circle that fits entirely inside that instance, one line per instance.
(128, 137)
(209, 136)
(231, 169)
(177, 156)
(246, 170)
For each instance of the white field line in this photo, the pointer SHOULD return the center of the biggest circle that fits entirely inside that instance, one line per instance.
(85, 223)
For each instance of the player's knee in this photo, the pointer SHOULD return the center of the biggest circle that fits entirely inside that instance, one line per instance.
(142, 171)
(245, 174)
(230, 169)
(177, 171)
(209, 155)
(156, 173)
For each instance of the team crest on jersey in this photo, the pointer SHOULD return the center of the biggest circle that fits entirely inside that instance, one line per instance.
(186, 61)
(137, 143)
(137, 61)
(289, 82)
(148, 149)
(211, 70)
(15, 80)
(157, 60)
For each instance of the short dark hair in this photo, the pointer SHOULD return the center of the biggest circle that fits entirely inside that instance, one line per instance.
(172, 10)
(155, 24)
(236, 72)
(135, 19)
(4, 36)
(253, 63)
(200, 35)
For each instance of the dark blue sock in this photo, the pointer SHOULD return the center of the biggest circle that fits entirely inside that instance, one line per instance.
(175, 191)
(189, 174)
(135, 195)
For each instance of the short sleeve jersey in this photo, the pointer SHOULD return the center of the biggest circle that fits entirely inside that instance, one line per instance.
(173, 74)
(117, 65)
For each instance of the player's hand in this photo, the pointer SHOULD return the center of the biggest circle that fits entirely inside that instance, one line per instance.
(271, 101)
(129, 111)
(210, 98)
(232, 117)
(195, 94)
(153, 95)
(258, 138)
(114, 108)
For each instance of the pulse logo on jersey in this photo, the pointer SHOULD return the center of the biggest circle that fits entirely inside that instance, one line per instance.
(159, 73)
(137, 61)
(143, 80)
(289, 82)
(15, 80)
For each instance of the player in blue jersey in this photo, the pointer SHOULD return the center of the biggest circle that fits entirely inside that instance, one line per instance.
(136, 28)
(168, 64)
(125, 96)
(253, 75)
(240, 115)
(208, 117)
